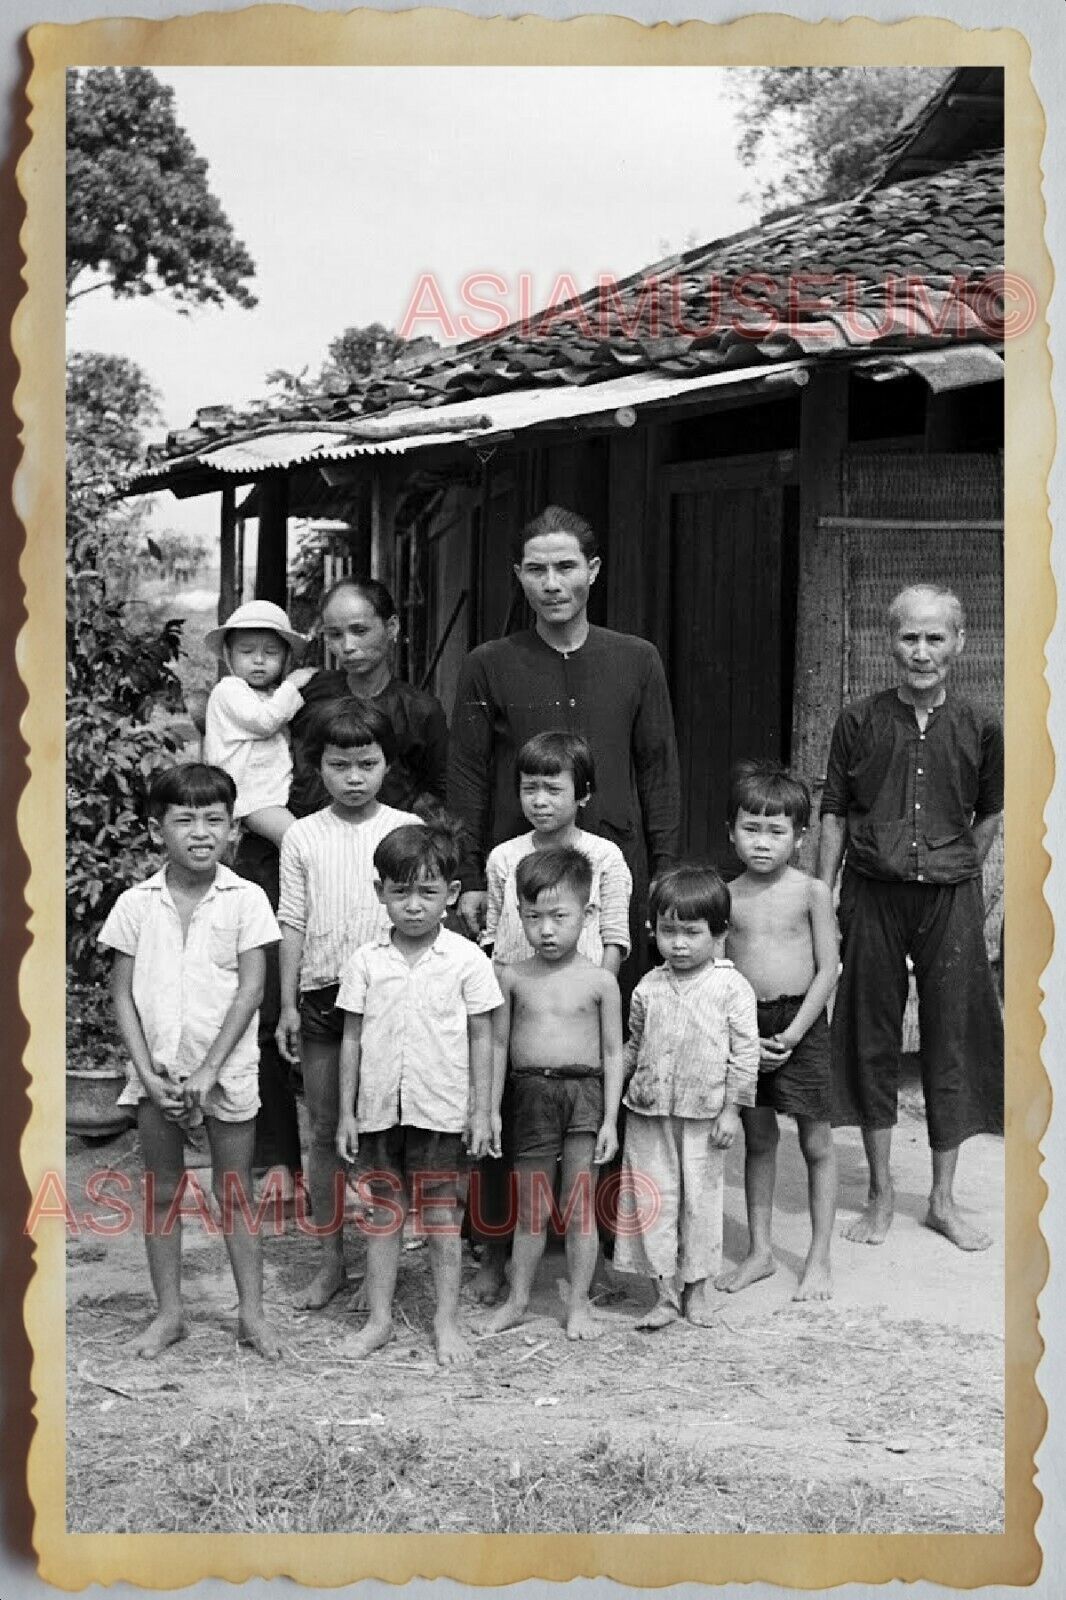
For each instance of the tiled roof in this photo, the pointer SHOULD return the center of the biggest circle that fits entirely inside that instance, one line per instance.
(906, 266)
(966, 114)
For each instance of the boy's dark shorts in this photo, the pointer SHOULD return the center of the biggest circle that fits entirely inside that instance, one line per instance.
(429, 1167)
(801, 1087)
(550, 1104)
(319, 1016)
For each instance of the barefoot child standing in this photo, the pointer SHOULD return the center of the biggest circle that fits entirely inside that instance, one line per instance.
(186, 983)
(327, 908)
(558, 1035)
(415, 1072)
(556, 777)
(693, 1052)
(783, 938)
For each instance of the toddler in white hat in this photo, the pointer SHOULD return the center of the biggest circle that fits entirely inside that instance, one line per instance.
(248, 713)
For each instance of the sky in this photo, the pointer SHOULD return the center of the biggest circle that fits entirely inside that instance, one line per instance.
(348, 184)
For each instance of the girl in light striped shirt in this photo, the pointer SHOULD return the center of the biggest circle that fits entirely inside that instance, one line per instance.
(328, 907)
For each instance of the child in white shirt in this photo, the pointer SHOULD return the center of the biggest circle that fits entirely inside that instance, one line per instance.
(187, 981)
(248, 713)
(693, 1061)
(556, 776)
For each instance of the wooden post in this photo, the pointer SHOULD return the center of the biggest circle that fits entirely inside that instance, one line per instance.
(227, 581)
(382, 501)
(238, 571)
(271, 581)
(816, 697)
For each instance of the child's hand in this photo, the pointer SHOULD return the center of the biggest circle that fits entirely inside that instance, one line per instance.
(287, 1035)
(165, 1095)
(197, 1086)
(478, 1135)
(606, 1144)
(776, 1051)
(347, 1137)
(301, 676)
(724, 1127)
(495, 1135)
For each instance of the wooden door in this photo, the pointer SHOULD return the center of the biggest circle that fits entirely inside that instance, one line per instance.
(726, 547)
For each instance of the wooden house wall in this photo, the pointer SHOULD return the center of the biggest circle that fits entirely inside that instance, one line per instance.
(757, 640)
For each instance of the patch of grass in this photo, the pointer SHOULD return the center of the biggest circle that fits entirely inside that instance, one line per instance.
(265, 1477)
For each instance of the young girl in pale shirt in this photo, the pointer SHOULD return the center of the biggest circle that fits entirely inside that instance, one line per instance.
(692, 1061)
(327, 908)
(248, 712)
(556, 776)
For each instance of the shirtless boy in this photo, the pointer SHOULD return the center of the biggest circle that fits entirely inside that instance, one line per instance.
(783, 938)
(560, 1028)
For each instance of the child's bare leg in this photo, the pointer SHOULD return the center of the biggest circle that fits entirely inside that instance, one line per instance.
(164, 1164)
(943, 1215)
(325, 1172)
(582, 1235)
(383, 1246)
(819, 1152)
(441, 1223)
(760, 1173)
(491, 1206)
(873, 1225)
(535, 1181)
(232, 1144)
(272, 823)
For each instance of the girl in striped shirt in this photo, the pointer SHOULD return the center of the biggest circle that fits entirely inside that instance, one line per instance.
(328, 907)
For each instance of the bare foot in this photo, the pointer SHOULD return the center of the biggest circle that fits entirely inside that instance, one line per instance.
(363, 1344)
(327, 1281)
(754, 1267)
(660, 1316)
(946, 1220)
(257, 1332)
(816, 1282)
(163, 1330)
(452, 1346)
(873, 1225)
(699, 1309)
(489, 1280)
(509, 1315)
(580, 1322)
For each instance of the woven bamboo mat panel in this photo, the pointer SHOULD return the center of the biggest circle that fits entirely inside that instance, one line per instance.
(909, 483)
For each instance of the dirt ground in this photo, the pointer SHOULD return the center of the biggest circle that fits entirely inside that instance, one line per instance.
(881, 1411)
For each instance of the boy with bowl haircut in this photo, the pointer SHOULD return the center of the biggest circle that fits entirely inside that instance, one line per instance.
(186, 984)
(327, 908)
(555, 776)
(415, 1074)
(783, 938)
(558, 1035)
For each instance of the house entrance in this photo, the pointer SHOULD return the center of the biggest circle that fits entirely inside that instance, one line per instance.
(731, 531)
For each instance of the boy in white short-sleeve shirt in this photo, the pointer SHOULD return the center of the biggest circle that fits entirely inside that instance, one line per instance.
(187, 981)
(415, 1074)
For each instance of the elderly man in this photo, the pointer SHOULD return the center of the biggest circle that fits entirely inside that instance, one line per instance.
(913, 794)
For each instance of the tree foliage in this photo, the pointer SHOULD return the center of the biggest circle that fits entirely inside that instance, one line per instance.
(117, 673)
(352, 356)
(819, 133)
(140, 215)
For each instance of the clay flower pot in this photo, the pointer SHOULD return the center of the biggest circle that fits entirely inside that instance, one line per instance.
(92, 1094)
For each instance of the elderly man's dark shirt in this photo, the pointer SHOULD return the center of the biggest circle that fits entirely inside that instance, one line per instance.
(910, 797)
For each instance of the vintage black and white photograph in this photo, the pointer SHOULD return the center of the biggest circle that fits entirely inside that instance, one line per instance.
(535, 589)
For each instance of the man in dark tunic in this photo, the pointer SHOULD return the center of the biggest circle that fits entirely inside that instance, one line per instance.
(565, 673)
(561, 674)
(914, 793)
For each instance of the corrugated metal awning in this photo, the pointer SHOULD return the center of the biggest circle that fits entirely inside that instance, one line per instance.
(485, 418)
